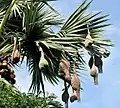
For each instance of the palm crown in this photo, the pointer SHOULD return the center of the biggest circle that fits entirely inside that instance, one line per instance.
(31, 22)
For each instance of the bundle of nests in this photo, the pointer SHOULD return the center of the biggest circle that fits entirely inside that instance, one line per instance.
(6, 70)
(73, 81)
(95, 64)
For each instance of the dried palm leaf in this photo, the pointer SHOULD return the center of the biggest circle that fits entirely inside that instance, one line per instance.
(43, 62)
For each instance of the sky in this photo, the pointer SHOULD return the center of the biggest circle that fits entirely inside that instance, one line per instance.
(106, 94)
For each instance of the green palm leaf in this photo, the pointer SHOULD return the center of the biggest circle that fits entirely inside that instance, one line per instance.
(74, 30)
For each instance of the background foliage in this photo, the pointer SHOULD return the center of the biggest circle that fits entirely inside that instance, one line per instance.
(10, 97)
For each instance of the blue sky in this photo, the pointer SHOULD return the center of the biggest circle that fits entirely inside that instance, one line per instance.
(106, 94)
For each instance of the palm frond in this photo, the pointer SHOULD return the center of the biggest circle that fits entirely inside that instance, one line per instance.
(37, 19)
(2, 13)
(37, 79)
(4, 3)
(4, 51)
(75, 28)
(6, 15)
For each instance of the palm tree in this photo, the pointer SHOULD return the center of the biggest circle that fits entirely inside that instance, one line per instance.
(31, 22)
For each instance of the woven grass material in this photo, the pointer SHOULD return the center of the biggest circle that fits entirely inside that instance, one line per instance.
(64, 69)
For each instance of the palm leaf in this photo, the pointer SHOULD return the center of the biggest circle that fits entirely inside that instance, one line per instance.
(4, 3)
(75, 28)
(37, 19)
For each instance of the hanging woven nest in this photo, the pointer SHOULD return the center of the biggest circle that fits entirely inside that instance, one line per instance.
(99, 64)
(15, 57)
(73, 97)
(75, 84)
(43, 62)
(93, 71)
(88, 41)
(12, 75)
(6, 71)
(64, 69)
(65, 96)
(90, 63)
(4, 63)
